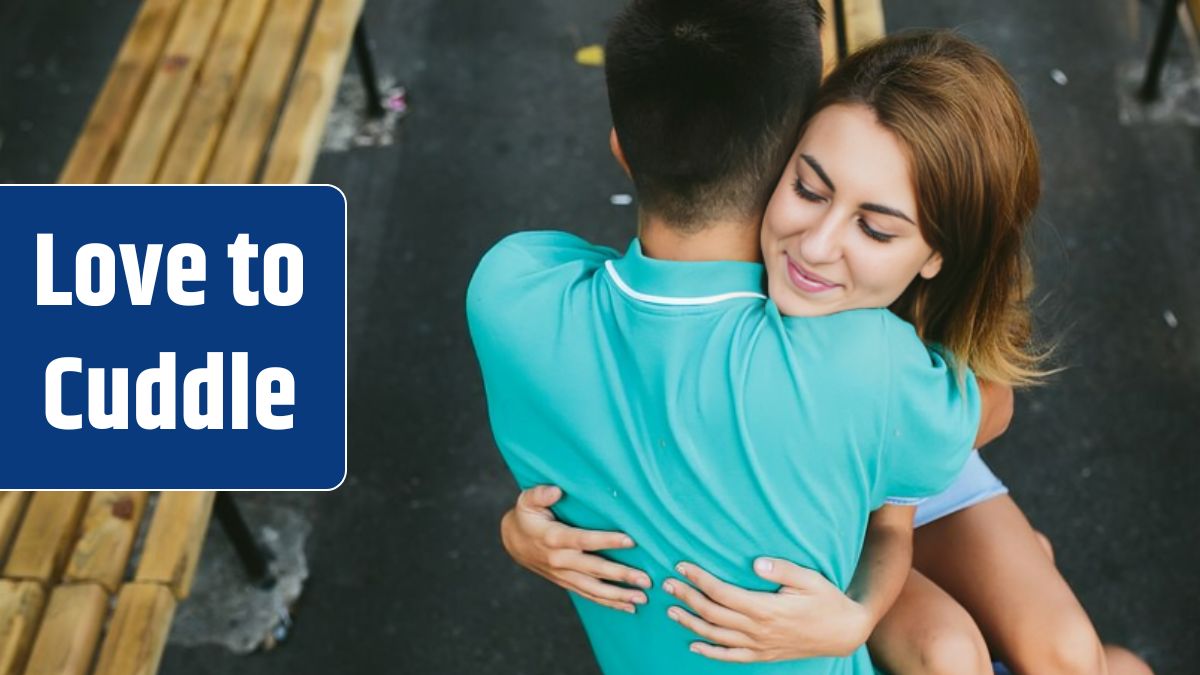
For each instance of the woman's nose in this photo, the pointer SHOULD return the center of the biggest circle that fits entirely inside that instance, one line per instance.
(822, 244)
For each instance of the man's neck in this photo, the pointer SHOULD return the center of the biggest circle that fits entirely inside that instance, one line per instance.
(720, 240)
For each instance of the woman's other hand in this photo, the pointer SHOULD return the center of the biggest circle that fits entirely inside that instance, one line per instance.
(807, 617)
(565, 555)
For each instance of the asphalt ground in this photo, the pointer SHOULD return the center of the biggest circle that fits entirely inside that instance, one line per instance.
(506, 132)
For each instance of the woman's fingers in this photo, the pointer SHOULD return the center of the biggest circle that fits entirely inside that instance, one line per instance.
(593, 588)
(539, 497)
(723, 636)
(731, 654)
(619, 606)
(706, 608)
(790, 575)
(727, 595)
(565, 536)
(600, 568)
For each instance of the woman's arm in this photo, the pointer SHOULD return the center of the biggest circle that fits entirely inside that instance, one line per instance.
(537, 541)
(808, 616)
(885, 562)
(996, 411)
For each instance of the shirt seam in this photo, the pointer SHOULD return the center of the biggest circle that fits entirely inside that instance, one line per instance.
(885, 448)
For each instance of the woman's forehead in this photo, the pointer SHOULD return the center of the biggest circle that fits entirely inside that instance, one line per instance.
(856, 153)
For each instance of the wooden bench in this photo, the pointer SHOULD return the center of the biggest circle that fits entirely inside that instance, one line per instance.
(849, 25)
(202, 91)
(1168, 17)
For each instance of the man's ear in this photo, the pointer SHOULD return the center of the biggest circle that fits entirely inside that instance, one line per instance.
(615, 145)
(932, 266)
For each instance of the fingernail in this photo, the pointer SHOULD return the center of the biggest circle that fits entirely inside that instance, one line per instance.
(694, 647)
(627, 542)
(631, 610)
(681, 568)
(643, 581)
(673, 613)
(669, 587)
(763, 565)
(639, 599)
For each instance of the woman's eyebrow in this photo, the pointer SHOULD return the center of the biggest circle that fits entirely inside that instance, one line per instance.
(885, 210)
(816, 166)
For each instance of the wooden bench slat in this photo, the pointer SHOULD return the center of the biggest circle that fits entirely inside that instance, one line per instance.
(20, 609)
(294, 151)
(864, 23)
(174, 539)
(170, 86)
(100, 140)
(12, 505)
(47, 532)
(829, 37)
(138, 631)
(70, 630)
(206, 112)
(247, 132)
(106, 538)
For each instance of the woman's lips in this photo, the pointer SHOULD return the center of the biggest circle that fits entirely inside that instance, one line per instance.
(805, 280)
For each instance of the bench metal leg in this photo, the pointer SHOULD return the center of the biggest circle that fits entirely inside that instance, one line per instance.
(255, 557)
(366, 69)
(1158, 52)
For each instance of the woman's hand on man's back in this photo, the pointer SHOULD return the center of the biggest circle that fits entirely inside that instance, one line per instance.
(807, 617)
(564, 555)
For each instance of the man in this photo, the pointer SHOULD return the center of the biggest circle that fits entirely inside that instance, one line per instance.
(661, 391)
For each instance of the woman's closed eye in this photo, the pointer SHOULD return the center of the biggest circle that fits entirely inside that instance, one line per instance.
(805, 193)
(871, 232)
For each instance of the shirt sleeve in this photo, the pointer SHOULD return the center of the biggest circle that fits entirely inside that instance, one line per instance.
(522, 268)
(932, 418)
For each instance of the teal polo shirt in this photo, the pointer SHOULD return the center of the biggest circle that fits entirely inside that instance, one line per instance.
(672, 401)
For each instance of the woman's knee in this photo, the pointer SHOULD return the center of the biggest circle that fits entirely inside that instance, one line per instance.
(953, 652)
(1066, 645)
(935, 643)
(1046, 545)
(1121, 661)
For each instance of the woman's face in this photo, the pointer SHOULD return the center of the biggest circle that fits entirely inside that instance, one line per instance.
(840, 231)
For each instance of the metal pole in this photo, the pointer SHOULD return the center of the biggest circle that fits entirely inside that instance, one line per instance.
(366, 69)
(254, 556)
(1158, 53)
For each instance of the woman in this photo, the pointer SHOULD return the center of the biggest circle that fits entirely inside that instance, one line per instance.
(919, 143)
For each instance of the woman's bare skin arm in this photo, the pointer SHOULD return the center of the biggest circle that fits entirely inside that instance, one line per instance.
(995, 411)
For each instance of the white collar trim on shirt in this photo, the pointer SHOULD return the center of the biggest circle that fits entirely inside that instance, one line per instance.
(662, 300)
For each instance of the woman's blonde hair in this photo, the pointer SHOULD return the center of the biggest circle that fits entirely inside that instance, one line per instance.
(974, 164)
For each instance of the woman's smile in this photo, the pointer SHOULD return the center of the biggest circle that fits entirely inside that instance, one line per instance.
(806, 281)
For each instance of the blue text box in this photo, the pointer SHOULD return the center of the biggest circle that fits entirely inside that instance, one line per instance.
(304, 341)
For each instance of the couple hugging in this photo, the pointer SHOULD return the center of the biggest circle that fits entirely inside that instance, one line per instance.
(821, 318)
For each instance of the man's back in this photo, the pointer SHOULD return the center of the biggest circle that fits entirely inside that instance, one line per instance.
(671, 401)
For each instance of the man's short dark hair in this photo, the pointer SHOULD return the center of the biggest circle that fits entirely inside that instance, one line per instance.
(707, 97)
